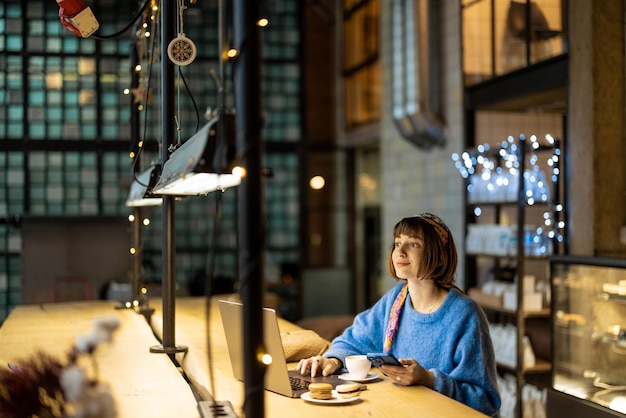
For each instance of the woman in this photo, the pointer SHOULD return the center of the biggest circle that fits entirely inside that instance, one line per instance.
(440, 335)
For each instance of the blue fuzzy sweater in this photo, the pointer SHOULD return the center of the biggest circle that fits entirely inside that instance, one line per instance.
(453, 342)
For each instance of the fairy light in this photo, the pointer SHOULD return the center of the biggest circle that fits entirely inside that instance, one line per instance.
(491, 181)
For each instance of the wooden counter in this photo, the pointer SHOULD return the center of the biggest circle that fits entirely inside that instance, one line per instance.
(143, 384)
(382, 398)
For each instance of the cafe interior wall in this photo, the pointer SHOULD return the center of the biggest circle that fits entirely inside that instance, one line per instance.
(596, 128)
(415, 180)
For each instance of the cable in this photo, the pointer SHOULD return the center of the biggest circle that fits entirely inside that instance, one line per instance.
(132, 22)
(153, 41)
(193, 101)
(209, 287)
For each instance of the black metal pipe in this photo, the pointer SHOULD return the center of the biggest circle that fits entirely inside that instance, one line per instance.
(247, 82)
(168, 24)
(134, 134)
(138, 256)
(168, 129)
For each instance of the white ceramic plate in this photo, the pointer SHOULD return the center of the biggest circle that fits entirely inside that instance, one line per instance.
(335, 400)
(369, 377)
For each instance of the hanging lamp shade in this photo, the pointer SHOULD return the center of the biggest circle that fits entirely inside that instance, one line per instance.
(141, 188)
(203, 163)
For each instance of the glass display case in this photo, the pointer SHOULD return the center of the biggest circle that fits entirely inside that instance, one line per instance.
(589, 336)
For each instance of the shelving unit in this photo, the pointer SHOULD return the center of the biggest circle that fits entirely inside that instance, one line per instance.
(507, 261)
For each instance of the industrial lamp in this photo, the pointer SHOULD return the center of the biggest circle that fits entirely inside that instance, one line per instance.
(203, 163)
(141, 189)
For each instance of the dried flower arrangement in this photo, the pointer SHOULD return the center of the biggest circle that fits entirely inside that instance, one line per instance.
(43, 386)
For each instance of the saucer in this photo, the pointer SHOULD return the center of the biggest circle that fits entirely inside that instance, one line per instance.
(334, 400)
(369, 377)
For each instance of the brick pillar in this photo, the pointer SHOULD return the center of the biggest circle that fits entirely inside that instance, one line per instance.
(596, 127)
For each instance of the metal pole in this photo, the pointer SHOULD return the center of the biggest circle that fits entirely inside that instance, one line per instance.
(135, 132)
(168, 281)
(138, 257)
(247, 81)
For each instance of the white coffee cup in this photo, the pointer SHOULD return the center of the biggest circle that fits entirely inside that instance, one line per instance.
(358, 366)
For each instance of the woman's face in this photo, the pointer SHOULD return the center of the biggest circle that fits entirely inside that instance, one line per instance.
(406, 255)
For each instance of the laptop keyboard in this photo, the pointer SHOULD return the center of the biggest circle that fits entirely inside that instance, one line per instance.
(298, 384)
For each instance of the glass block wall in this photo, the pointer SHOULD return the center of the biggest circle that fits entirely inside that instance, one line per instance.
(65, 132)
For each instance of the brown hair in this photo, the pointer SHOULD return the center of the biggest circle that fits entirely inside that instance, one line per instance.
(439, 258)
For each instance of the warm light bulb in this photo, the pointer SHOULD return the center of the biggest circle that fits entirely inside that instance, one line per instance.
(317, 182)
(232, 53)
(131, 217)
(263, 22)
(127, 91)
(138, 68)
(239, 171)
(266, 359)
(133, 250)
(146, 221)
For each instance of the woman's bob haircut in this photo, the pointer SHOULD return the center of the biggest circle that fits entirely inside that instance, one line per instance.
(439, 259)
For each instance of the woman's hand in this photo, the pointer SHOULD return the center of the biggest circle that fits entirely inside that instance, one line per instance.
(318, 364)
(409, 374)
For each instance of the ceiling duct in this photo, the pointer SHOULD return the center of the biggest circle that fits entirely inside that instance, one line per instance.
(416, 71)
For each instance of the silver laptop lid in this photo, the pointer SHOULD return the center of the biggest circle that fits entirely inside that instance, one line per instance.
(276, 374)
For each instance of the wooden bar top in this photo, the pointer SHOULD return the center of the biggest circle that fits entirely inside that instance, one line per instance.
(143, 384)
(382, 398)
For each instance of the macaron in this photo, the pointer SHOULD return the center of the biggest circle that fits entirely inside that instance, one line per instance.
(348, 390)
(319, 390)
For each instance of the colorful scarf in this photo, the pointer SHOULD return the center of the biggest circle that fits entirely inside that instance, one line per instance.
(394, 318)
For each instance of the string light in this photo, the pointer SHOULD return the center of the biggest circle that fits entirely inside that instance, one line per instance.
(493, 176)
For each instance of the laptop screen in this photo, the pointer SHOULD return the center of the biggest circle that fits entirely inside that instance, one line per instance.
(277, 376)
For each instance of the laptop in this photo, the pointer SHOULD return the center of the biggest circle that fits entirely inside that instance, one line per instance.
(278, 378)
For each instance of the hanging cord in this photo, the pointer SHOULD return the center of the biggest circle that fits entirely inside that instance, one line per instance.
(193, 100)
(125, 28)
(148, 77)
(180, 77)
(181, 9)
(210, 277)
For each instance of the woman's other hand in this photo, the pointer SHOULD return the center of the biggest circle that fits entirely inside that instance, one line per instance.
(409, 374)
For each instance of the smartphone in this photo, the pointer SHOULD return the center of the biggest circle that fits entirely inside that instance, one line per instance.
(379, 359)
